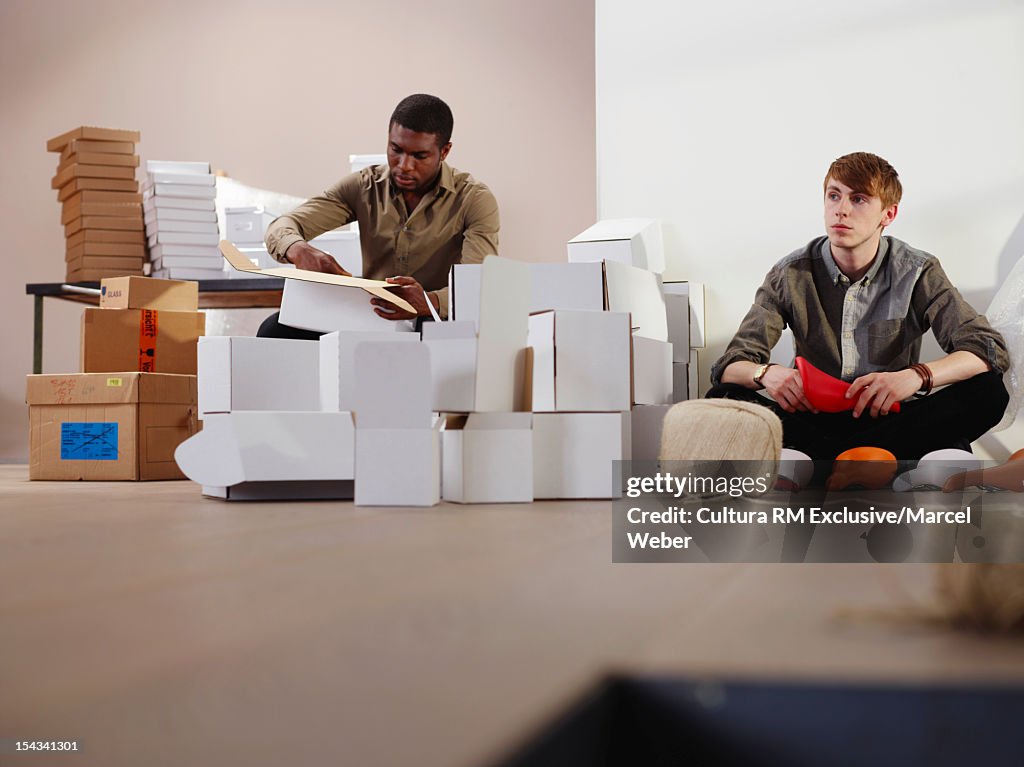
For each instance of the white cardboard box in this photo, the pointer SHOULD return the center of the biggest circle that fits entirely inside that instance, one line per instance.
(693, 377)
(647, 421)
(652, 371)
(193, 191)
(247, 224)
(577, 287)
(344, 246)
(325, 302)
(680, 381)
(337, 364)
(164, 202)
(677, 316)
(250, 445)
(694, 291)
(177, 214)
(581, 361)
(633, 241)
(183, 238)
(177, 166)
(242, 373)
(155, 225)
(573, 453)
(187, 262)
(637, 292)
(357, 162)
(488, 458)
(398, 452)
(453, 348)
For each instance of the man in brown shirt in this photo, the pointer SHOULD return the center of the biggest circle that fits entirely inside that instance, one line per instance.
(417, 216)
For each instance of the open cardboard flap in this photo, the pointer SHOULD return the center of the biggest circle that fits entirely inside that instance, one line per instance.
(377, 288)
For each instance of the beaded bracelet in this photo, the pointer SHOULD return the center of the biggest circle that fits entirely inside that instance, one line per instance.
(926, 378)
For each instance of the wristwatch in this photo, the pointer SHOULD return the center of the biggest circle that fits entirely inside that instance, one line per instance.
(759, 373)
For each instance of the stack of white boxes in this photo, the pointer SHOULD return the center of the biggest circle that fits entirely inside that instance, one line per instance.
(178, 199)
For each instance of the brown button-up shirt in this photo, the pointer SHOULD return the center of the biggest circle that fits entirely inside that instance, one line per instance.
(875, 324)
(456, 222)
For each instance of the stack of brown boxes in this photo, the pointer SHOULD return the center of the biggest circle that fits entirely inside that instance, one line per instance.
(136, 398)
(102, 212)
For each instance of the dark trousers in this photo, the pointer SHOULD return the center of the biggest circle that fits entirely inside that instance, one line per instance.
(271, 327)
(951, 417)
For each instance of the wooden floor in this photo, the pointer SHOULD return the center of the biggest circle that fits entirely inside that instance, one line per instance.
(157, 627)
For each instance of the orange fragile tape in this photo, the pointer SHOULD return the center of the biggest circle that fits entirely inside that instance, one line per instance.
(147, 340)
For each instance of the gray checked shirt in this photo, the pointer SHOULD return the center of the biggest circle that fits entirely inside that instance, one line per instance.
(875, 324)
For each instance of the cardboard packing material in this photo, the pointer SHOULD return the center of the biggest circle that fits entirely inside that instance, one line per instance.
(108, 426)
(86, 249)
(123, 160)
(178, 167)
(105, 235)
(140, 339)
(122, 223)
(633, 241)
(677, 317)
(159, 215)
(71, 211)
(147, 293)
(453, 350)
(91, 133)
(573, 453)
(90, 196)
(83, 146)
(638, 292)
(652, 371)
(581, 361)
(78, 185)
(161, 237)
(488, 458)
(646, 422)
(680, 381)
(693, 376)
(694, 292)
(325, 302)
(149, 189)
(90, 171)
(267, 446)
(130, 264)
(335, 368)
(247, 224)
(244, 373)
(95, 275)
(398, 451)
(577, 287)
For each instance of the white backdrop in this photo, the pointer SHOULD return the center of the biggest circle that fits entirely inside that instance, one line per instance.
(721, 119)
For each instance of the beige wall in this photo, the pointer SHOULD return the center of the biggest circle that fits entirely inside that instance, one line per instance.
(279, 96)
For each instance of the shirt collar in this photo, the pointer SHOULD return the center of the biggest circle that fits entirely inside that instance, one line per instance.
(445, 182)
(837, 276)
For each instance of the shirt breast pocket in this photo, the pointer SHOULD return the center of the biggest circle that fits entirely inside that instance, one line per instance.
(886, 341)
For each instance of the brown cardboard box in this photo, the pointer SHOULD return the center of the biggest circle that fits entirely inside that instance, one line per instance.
(132, 250)
(89, 171)
(106, 235)
(127, 264)
(74, 210)
(149, 293)
(76, 146)
(108, 426)
(97, 184)
(98, 195)
(140, 339)
(91, 133)
(95, 275)
(99, 158)
(121, 223)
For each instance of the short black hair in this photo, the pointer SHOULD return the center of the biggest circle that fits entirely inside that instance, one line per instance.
(423, 113)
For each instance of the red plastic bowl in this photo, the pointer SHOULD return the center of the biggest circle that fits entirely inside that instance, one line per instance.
(826, 392)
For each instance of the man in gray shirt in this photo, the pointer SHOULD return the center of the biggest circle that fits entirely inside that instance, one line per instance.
(858, 304)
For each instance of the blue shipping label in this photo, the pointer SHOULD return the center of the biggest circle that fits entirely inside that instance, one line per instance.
(88, 441)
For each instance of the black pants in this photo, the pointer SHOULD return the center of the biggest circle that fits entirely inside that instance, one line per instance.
(951, 417)
(271, 327)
